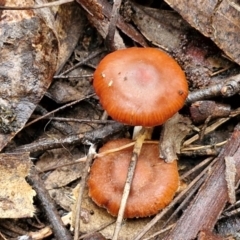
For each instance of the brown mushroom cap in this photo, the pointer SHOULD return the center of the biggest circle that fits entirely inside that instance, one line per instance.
(140, 86)
(154, 184)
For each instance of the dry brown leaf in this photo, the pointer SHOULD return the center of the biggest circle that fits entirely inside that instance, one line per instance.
(64, 92)
(70, 25)
(28, 50)
(64, 175)
(99, 217)
(62, 197)
(15, 193)
(218, 20)
(173, 133)
(163, 28)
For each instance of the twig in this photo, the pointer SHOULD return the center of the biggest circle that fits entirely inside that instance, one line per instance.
(185, 200)
(209, 129)
(126, 190)
(196, 168)
(160, 232)
(112, 25)
(228, 88)
(58, 109)
(63, 127)
(51, 143)
(49, 208)
(76, 218)
(44, 5)
(60, 119)
(91, 56)
(1, 235)
(83, 159)
(70, 76)
(97, 230)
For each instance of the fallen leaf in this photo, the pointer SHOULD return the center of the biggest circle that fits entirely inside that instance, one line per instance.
(28, 50)
(60, 177)
(163, 28)
(100, 217)
(70, 24)
(218, 20)
(16, 196)
(173, 133)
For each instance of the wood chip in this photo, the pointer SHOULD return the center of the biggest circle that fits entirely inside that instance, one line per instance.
(230, 175)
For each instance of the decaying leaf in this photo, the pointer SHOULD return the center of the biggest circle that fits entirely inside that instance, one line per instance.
(63, 92)
(28, 50)
(163, 28)
(218, 20)
(69, 25)
(99, 217)
(61, 176)
(16, 196)
(173, 133)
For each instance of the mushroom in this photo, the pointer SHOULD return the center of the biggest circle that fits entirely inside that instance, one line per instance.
(139, 86)
(154, 184)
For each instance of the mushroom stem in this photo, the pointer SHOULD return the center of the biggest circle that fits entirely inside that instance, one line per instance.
(131, 169)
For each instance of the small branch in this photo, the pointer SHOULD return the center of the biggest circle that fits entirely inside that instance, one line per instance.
(130, 174)
(59, 109)
(85, 60)
(44, 5)
(60, 232)
(61, 119)
(50, 143)
(226, 89)
(113, 25)
(76, 218)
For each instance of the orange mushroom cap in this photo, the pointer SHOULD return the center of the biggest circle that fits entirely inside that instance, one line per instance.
(154, 184)
(140, 86)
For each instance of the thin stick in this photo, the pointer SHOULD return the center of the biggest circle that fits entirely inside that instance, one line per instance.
(83, 61)
(76, 218)
(58, 109)
(160, 232)
(112, 25)
(212, 127)
(48, 206)
(130, 174)
(83, 159)
(103, 226)
(44, 5)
